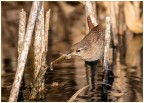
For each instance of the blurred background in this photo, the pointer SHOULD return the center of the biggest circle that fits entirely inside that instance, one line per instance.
(68, 26)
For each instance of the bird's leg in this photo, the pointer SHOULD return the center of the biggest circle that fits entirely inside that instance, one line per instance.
(90, 74)
(93, 67)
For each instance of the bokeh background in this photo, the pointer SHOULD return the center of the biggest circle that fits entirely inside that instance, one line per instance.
(68, 26)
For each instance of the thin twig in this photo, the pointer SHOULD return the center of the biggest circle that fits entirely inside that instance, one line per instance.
(43, 52)
(80, 90)
(77, 93)
(120, 96)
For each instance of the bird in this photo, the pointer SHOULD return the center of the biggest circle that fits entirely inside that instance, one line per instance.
(91, 47)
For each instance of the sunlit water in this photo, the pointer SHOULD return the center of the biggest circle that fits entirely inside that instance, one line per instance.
(70, 76)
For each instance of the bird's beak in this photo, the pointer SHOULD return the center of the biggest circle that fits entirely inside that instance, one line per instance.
(71, 53)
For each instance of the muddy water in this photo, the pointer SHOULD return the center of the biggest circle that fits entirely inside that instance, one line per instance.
(70, 76)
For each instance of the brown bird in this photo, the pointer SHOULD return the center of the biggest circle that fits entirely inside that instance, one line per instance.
(91, 47)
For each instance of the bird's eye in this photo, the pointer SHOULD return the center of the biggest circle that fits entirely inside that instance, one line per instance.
(77, 50)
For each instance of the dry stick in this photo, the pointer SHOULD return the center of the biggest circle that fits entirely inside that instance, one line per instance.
(21, 35)
(44, 67)
(43, 51)
(38, 42)
(80, 90)
(77, 93)
(107, 40)
(121, 96)
(22, 25)
(24, 53)
(106, 49)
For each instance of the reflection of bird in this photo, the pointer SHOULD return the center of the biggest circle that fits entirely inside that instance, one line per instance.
(91, 47)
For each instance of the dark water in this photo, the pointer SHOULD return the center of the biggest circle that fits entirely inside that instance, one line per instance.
(70, 76)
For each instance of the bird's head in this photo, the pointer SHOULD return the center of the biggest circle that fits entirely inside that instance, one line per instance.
(79, 49)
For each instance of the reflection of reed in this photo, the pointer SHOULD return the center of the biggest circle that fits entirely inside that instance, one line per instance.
(127, 80)
(120, 82)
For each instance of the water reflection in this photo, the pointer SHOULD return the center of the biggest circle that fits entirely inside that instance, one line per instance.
(68, 77)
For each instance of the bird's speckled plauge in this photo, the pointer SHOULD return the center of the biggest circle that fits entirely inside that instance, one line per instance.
(91, 47)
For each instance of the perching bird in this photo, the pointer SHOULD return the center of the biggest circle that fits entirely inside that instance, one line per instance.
(91, 47)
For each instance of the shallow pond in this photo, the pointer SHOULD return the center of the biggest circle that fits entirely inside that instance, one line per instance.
(70, 76)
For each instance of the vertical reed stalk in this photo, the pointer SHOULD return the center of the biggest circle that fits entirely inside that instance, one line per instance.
(107, 43)
(40, 77)
(113, 14)
(114, 10)
(90, 9)
(21, 35)
(24, 52)
(38, 41)
(106, 59)
(22, 25)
